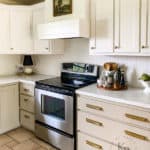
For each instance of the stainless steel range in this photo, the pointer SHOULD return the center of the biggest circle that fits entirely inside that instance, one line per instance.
(56, 104)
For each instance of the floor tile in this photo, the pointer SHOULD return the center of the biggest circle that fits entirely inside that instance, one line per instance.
(27, 145)
(22, 139)
(20, 135)
(5, 148)
(4, 139)
(12, 144)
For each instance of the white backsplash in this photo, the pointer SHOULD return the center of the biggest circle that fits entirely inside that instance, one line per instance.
(77, 50)
(8, 64)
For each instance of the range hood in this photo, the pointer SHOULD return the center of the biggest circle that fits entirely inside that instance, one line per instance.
(70, 28)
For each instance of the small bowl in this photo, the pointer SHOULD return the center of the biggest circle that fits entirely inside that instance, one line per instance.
(146, 84)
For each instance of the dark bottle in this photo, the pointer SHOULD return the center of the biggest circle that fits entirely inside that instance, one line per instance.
(117, 79)
(122, 81)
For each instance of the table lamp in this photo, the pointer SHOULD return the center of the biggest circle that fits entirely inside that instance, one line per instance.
(28, 63)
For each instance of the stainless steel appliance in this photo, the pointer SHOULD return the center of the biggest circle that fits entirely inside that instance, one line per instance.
(56, 104)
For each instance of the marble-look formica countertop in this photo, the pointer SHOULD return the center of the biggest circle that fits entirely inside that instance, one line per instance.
(131, 96)
(5, 80)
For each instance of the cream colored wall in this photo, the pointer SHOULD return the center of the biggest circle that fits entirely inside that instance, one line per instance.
(77, 50)
(8, 64)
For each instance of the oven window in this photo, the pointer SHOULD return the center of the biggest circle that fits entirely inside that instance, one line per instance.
(53, 106)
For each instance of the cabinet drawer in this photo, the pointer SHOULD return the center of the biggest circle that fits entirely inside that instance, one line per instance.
(27, 89)
(27, 120)
(127, 114)
(86, 142)
(27, 103)
(118, 133)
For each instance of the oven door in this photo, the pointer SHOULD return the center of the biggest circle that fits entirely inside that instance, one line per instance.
(55, 110)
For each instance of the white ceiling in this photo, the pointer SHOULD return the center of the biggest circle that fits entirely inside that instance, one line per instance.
(20, 2)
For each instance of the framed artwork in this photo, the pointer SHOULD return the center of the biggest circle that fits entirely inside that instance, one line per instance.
(62, 7)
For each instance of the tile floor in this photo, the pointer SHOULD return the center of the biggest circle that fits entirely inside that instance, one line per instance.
(21, 139)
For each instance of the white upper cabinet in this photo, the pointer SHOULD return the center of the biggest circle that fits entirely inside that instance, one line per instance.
(21, 29)
(4, 28)
(44, 46)
(102, 28)
(57, 46)
(115, 27)
(38, 18)
(145, 26)
(127, 26)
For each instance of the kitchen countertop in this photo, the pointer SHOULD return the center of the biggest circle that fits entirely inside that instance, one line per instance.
(4, 80)
(131, 96)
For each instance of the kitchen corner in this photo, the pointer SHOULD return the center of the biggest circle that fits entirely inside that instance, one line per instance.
(5, 80)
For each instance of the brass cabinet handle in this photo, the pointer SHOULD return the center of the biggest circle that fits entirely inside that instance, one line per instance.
(26, 116)
(135, 135)
(26, 90)
(93, 47)
(94, 122)
(94, 145)
(116, 47)
(94, 107)
(25, 100)
(143, 46)
(138, 118)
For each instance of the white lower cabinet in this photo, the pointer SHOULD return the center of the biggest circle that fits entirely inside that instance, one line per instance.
(86, 142)
(96, 120)
(27, 120)
(27, 117)
(9, 107)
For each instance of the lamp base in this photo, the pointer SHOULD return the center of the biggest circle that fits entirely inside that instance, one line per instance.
(28, 70)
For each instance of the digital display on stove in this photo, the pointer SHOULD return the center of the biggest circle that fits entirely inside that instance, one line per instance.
(78, 67)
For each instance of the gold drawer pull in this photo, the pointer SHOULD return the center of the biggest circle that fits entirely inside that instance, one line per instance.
(94, 122)
(26, 116)
(135, 135)
(26, 90)
(138, 118)
(96, 146)
(25, 100)
(94, 107)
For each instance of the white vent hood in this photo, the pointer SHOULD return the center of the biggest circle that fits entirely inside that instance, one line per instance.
(71, 28)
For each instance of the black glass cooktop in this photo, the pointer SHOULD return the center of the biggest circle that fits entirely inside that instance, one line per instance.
(65, 83)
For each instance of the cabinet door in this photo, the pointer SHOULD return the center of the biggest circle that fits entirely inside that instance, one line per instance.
(4, 29)
(57, 46)
(127, 26)
(21, 29)
(9, 108)
(38, 18)
(145, 26)
(101, 26)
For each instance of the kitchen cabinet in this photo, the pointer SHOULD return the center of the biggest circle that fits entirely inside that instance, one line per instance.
(9, 107)
(115, 28)
(18, 30)
(102, 29)
(27, 117)
(38, 18)
(4, 29)
(100, 127)
(21, 29)
(44, 46)
(145, 26)
(127, 26)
